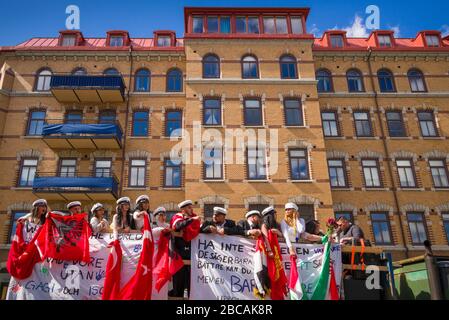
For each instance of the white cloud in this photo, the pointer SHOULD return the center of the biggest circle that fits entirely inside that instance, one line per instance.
(445, 30)
(357, 29)
(397, 31)
(315, 30)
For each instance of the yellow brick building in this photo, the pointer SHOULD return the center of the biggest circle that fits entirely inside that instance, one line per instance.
(354, 127)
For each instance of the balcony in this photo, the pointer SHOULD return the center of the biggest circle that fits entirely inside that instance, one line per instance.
(88, 88)
(78, 187)
(86, 135)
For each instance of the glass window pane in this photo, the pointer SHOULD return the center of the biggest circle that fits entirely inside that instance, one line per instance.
(198, 25)
(268, 25)
(225, 24)
(281, 25)
(296, 25)
(240, 24)
(212, 24)
(253, 25)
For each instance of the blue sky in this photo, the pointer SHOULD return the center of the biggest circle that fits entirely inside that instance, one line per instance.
(29, 18)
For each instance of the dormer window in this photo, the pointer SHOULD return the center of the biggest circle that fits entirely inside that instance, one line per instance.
(198, 24)
(212, 24)
(337, 41)
(297, 27)
(69, 40)
(433, 41)
(384, 41)
(247, 25)
(163, 41)
(275, 25)
(116, 41)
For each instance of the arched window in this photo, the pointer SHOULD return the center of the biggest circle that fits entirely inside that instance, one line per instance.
(289, 67)
(211, 66)
(43, 80)
(416, 79)
(79, 72)
(107, 117)
(250, 67)
(174, 80)
(324, 78)
(386, 81)
(142, 80)
(355, 81)
(111, 72)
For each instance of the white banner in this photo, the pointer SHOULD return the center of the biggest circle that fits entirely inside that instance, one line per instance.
(222, 267)
(63, 280)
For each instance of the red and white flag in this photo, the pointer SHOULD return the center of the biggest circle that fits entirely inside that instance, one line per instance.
(294, 284)
(139, 287)
(111, 289)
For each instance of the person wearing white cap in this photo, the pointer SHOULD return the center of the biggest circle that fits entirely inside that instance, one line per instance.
(142, 207)
(269, 223)
(74, 207)
(294, 228)
(123, 221)
(37, 215)
(251, 226)
(220, 225)
(98, 223)
(160, 218)
(187, 224)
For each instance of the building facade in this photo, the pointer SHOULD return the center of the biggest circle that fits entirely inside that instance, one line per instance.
(354, 127)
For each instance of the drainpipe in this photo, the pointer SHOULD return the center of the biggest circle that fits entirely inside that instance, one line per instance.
(125, 138)
(387, 152)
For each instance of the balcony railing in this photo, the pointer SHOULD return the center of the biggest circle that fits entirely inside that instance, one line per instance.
(79, 186)
(88, 88)
(87, 134)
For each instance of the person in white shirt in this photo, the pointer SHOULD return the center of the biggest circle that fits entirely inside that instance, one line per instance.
(98, 223)
(123, 221)
(142, 207)
(293, 228)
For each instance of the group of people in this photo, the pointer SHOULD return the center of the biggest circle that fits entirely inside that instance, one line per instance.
(292, 228)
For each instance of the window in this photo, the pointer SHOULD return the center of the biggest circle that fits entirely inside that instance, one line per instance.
(362, 124)
(137, 173)
(212, 24)
(209, 210)
(330, 124)
(74, 117)
(445, 217)
(275, 25)
(107, 117)
(384, 41)
(355, 81)
(173, 173)
(212, 112)
(297, 27)
(111, 72)
(247, 25)
(69, 40)
(240, 25)
(253, 25)
(28, 170)
(143, 80)
(381, 228)
(439, 172)
(371, 173)
(250, 67)
(427, 124)
(307, 211)
(211, 66)
(225, 24)
(198, 24)
(174, 81)
(337, 41)
(164, 41)
(416, 80)
(173, 124)
(253, 113)
(43, 80)
(417, 227)
(337, 173)
(79, 72)
(140, 123)
(16, 215)
(258, 206)
(116, 41)
(36, 123)
(213, 163)
(433, 41)
(256, 163)
(345, 214)
(289, 68)
(324, 81)
(406, 173)
(67, 168)
(386, 81)
(103, 168)
(293, 112)
(395, 124)
(299, 165)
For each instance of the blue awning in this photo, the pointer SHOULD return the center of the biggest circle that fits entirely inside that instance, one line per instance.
(74, 182)
(94, 129)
